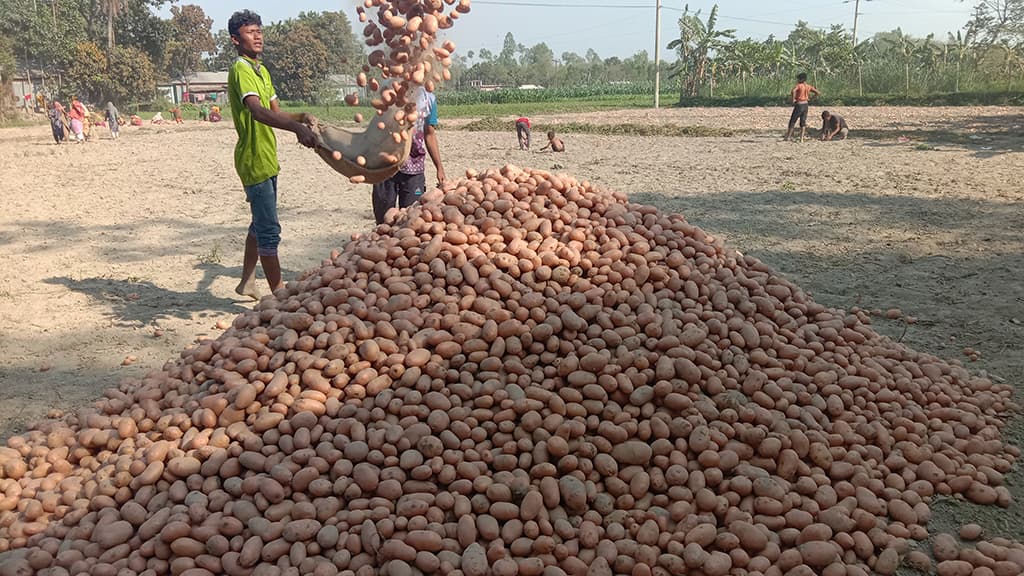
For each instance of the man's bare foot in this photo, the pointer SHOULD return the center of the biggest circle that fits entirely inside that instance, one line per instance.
(248, 288)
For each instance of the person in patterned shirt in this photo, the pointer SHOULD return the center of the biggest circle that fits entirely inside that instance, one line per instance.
(409, 183)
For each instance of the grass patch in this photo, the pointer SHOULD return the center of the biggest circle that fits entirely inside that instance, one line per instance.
(213, 256)
(494, 124)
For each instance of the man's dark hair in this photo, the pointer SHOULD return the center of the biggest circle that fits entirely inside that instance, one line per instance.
(242, 18)
(825, 114)
(801, 77)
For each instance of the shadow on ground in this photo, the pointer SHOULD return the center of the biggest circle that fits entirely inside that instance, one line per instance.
(135, 303)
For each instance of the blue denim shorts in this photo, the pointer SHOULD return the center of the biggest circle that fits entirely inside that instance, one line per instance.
(262, 200)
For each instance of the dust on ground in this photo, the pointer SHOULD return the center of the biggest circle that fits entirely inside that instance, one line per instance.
(133, 248)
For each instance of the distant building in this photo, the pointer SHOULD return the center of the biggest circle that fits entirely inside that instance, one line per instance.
(479, 85)
(344, 84)
(531, 87)
(199, 87)
(31, 84)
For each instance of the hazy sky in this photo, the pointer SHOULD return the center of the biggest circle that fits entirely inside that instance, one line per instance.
(623, 27)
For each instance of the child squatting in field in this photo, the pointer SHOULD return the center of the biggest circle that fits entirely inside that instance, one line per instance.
(256, 112)
(554, 142)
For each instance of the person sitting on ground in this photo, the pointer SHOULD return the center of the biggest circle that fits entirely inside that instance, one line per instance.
(204, 112)
(523, 132)
(833, 125)
(554, 142)
(136, 120)
(158, 118)
(801, 96)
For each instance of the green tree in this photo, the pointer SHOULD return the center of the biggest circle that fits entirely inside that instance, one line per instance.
(539, 65)
(7, 68)
(508, 50)
(132, 76)
(640, 67)
(224, 54)
(139, 27)
(333, 29)
(87, 73)
(41, 36)
(297, 59)
(697, 43)
(190, 38)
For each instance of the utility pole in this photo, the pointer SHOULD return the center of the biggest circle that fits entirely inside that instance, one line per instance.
(657, 53)
(856, 18)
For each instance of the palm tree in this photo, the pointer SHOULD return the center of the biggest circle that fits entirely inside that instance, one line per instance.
(697, 42)
(113, 10)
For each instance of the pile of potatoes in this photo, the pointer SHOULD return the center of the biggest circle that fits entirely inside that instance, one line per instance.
(524, 375)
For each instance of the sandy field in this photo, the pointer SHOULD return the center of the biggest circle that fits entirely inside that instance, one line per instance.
(128, 251)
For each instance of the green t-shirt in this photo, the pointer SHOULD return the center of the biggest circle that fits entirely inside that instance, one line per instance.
(256, 150)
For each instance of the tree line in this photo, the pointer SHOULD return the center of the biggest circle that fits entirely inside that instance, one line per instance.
(987, 55)
(121, 49)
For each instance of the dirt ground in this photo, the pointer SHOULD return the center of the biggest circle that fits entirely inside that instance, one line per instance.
(133, 248)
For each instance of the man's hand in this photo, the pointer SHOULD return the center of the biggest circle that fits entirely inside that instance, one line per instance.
(306, 136)
(310, 120)
(440, 176)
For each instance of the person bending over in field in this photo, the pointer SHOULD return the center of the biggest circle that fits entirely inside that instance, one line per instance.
(523, 132)
(554, 142)
(801, 96)
(833, 125)
(257, 111)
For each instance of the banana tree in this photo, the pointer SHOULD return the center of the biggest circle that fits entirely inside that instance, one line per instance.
(926, 55)
(862, 54)
(905, 48)
(698, 41)
(744, 57)
(961, 45)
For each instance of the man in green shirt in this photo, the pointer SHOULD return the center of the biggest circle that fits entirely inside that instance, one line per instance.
(256, 112)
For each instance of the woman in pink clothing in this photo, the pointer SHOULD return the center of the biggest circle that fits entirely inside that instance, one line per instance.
(78, 116)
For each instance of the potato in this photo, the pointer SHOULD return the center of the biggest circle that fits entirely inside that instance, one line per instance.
(954, 568)
(945, 547)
